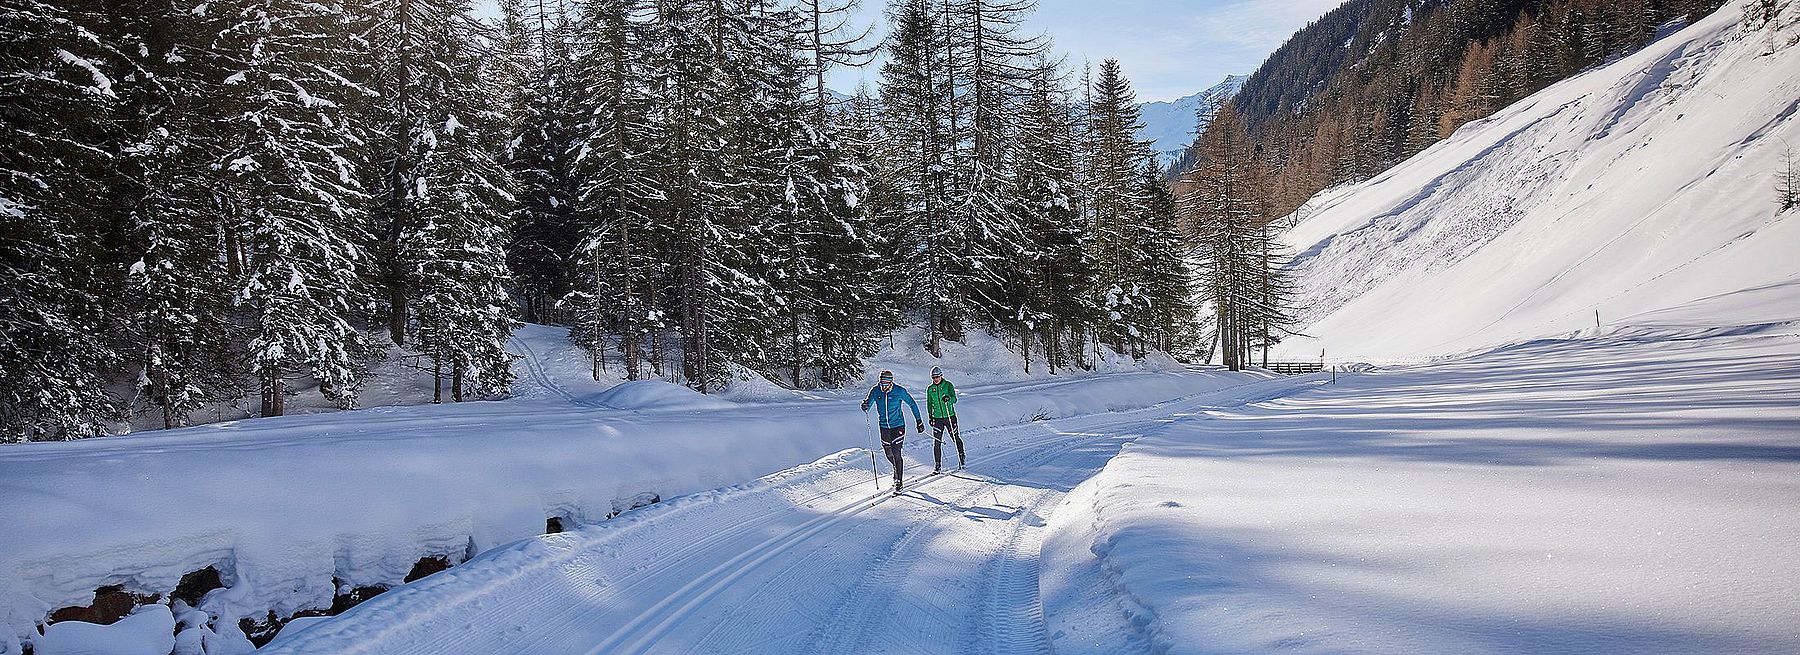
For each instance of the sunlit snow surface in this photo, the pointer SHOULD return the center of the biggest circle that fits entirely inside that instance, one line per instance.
(1643, 185)
(1629, 487)
(1636, 491)
(285, 506)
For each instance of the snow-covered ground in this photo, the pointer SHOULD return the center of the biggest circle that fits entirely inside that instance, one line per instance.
(1628, 487)
(816, 559)
(1632, 491)
(295, 510)
(1638, 186)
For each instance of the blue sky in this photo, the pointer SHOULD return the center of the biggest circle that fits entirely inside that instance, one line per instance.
(1169, 48)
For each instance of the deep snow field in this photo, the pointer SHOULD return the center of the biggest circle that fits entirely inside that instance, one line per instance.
(1641, 185)
(1633, 491)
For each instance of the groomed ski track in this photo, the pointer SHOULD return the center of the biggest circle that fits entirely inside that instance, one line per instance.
(814, 559)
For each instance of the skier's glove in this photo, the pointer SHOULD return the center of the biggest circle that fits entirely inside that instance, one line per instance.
(865, 405)
(921, 427)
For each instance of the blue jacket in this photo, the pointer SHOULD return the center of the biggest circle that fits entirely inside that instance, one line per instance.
(887, 405)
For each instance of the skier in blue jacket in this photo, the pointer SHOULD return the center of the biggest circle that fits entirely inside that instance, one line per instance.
(886, 397)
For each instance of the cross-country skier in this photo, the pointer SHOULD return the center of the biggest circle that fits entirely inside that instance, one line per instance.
(886, 397)
(940, 398)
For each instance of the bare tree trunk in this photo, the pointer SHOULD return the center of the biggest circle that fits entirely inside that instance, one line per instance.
(456, 382)
(794, 325)
(272, 393)
(437, 380)
(1025, 347)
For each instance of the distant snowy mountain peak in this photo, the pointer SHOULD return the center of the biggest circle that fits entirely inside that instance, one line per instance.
(1170, 126)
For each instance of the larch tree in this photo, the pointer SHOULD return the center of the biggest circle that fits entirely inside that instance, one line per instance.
(1227, 210)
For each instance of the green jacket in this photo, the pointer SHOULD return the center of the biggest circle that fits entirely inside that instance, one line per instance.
(941, 399)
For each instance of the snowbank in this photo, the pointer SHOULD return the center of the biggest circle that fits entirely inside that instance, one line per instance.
(295, 510)
(1631, 491)
(1638, 186)
(148, 631)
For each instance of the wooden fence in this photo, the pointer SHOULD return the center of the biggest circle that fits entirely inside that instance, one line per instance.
(1295, 368)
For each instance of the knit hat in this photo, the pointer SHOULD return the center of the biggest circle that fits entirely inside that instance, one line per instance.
(937, 372)
(887, 376)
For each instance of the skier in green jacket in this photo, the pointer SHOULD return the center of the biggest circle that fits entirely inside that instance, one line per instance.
(940, 399)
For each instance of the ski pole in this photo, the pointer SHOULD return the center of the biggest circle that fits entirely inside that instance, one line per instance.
(873, 467)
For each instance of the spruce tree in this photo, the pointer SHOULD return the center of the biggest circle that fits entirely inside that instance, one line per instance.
(443, 193)
(1167, 275)
(1117, 157)
(1052, 279)
(54, 352)
(618, 204)
(915, 100)
(170, 318)
(712, 79)
(545, 234)
(290, 182)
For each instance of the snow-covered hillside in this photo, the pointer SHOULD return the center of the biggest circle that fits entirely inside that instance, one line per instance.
(1170, 126)
(1642, 185)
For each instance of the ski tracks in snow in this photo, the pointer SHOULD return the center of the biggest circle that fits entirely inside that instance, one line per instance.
(807, 560)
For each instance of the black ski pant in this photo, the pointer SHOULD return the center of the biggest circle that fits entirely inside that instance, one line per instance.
(891, 440)
(938, 427)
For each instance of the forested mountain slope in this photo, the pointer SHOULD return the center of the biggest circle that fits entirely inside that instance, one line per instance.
(1376, 81)
(1646, 184)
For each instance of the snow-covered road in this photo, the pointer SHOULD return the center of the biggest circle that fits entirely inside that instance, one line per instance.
(813, 559)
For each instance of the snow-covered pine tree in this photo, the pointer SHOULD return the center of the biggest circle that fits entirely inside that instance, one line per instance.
(619, 202)
(54, 345)
(290, 181)
(178, 289)
(442, 194)
(1116, 159)
(1055, 276)
(873, 265)
(915, 100)
(545, 235)
(712, 80)
(991, 66)
(821, 251)
(1166, 272)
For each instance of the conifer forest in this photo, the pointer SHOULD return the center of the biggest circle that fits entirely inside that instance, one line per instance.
(213, 201)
